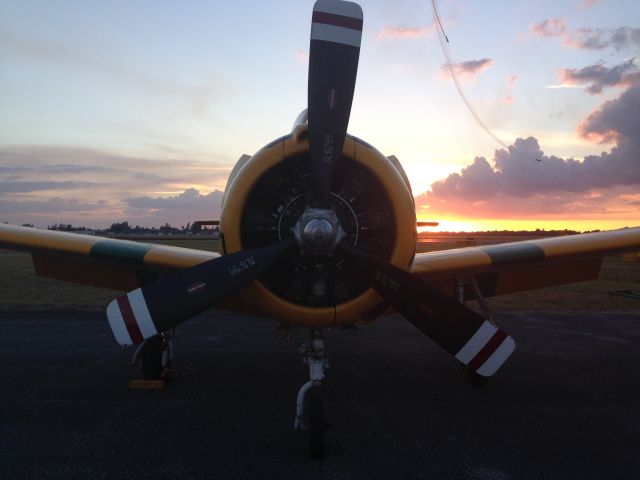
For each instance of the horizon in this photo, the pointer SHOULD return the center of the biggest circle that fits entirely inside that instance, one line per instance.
(186, 228)
(140, 116)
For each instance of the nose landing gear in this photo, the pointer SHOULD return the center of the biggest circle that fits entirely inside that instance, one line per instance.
(310, 403)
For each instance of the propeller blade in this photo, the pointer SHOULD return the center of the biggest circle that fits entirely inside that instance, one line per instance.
(165, 303)
(336, 31)
(472, 340)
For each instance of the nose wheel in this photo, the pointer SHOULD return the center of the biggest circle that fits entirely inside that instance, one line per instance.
(310, 403)
(317, 424)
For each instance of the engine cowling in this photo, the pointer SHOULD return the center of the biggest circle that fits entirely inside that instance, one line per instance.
(267, 193)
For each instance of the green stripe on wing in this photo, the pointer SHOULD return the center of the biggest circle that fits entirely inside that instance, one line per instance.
(506, 255)
(120, 251)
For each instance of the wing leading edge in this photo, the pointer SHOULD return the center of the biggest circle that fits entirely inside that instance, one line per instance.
(498, 269)
(527, 265)
(98, 261)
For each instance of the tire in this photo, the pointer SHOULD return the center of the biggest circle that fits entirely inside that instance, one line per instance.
(316, 423)
(152, 359)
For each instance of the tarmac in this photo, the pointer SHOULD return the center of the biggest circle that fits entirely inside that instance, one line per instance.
(565, 406)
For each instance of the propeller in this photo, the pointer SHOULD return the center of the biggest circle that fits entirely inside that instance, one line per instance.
(336, 31)
(165, 303)
(472, 340)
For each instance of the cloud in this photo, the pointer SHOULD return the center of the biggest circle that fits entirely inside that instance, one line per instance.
(601, 38)
(524, 170)
(631, 199)
(69, 169)
(587, 38)
(401, 33)
(185, 207)
(565, 85)
(28, 172)
(514, 172)
(511, 81)
(515, 183)
(13, 170)
(199, 95)
(49, 211)
(587, 4)
(57, 206)
(524, 181)
(25, 187)
(616, 120)
(552, 27)
(467, 71)
(599, 76)
(62, 163)
(189, 199)
(63, 159)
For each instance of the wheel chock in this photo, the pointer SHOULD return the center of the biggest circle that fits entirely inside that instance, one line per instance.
(142, 384)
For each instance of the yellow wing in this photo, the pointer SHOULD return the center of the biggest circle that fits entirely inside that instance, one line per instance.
(497, 269)
(527, 265)
(98, 261)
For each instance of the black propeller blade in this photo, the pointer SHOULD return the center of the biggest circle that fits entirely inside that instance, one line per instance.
(336, 31)
(463, 333)
(165, 303)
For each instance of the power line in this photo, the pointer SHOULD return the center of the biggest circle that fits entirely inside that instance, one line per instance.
(435, 12)
(454, 77)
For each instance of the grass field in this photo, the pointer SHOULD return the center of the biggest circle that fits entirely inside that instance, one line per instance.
(22, 290)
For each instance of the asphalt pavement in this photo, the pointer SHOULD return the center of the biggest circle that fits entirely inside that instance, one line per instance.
(565, 406)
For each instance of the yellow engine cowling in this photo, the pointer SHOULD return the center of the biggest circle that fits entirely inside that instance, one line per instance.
(245, 187)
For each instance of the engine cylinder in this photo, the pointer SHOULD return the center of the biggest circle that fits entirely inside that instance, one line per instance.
(268, 195)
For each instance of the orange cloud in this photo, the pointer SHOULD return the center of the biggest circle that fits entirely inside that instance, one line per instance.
(401, 33)
(586, 4)
(467, 71)
(522, 182)
(552, 27)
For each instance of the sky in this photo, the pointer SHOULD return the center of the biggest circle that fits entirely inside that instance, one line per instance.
(137, 111)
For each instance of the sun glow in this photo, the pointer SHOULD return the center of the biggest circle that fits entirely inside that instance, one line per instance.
(492, 224)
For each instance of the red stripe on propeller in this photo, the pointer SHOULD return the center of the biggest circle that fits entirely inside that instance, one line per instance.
(337, 20)
(129, 319)
(485, 353)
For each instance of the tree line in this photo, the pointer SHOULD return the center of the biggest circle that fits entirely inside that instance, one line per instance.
(124, 228)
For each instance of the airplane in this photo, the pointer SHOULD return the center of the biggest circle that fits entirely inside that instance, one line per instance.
(318, 230)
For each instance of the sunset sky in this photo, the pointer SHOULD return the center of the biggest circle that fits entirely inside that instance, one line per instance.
(137, 111)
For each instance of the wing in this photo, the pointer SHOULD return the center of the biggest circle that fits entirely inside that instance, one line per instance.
(527, 265)
(98, 261)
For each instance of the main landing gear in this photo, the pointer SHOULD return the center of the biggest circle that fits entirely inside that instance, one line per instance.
(310, 404)
(156, 355)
